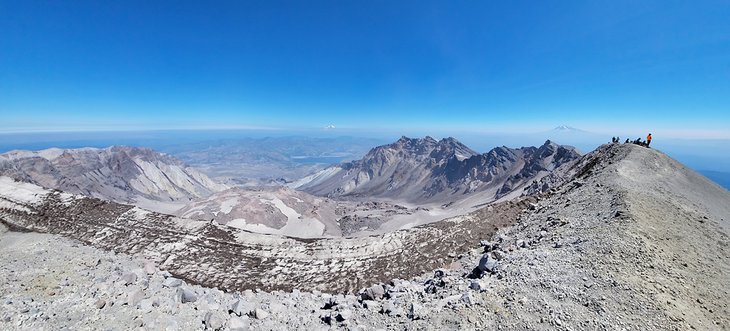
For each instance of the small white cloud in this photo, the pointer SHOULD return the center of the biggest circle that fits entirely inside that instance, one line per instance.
(330, 127)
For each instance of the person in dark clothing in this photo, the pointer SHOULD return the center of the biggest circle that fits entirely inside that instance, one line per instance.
(627, 141)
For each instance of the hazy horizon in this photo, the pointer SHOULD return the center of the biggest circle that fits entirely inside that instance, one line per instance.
(711, 157)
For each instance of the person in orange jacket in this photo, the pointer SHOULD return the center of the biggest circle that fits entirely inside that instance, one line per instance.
(648, 140)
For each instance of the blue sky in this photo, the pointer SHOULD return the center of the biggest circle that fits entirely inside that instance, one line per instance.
(456, 66)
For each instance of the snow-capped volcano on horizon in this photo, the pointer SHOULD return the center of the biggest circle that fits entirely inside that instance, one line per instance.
(566, 128)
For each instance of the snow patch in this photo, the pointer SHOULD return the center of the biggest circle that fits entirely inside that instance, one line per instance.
(304, 227)
(227, 205)
(21, 192)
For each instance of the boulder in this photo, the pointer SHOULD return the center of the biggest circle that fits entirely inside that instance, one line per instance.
(372, 306)
(391, 309)
(172, 282)
(467, 299)
(146, 305)
(330, 303)
(238, 324)
(185, 295)
(260, 314)
(344, 315)
(213, 321)
(134, 297)
(241, 307)
(488, 246)
(433, 284)
(488, 264)
(375, 292)
(129, 278)
(387, 308)
(150, 268)
(415, 311)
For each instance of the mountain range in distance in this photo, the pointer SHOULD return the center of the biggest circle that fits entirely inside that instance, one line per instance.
(131, 175)
(427, 171)
(410, 182)
(407, 183)
(603, 223)
(398, 222)
(262, 157)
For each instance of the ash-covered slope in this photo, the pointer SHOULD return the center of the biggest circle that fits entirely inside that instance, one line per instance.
(287, 212)
(122, 174)
(235, 259)
(277, 210)
(629, 239)
(426, 170)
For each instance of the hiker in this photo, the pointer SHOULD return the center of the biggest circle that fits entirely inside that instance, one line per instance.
(627, 141)
(648, 140)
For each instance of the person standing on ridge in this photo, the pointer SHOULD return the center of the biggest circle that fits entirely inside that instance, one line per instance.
(648, 140)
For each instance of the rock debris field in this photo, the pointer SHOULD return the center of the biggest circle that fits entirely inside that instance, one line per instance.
(629, 240)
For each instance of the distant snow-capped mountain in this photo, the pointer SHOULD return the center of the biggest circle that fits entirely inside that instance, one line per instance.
(122, 174)
(426, 170)
(565, 128)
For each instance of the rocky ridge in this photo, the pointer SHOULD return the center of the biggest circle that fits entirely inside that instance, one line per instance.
(426, 171)
(122, 174)
(632, 241)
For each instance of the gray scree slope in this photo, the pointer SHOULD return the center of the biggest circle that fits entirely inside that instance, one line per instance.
(630, 240)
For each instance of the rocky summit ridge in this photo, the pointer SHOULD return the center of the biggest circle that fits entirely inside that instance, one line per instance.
(627, 239)
(426, 171)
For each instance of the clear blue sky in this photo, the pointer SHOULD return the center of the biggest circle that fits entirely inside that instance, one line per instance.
(453, 65)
